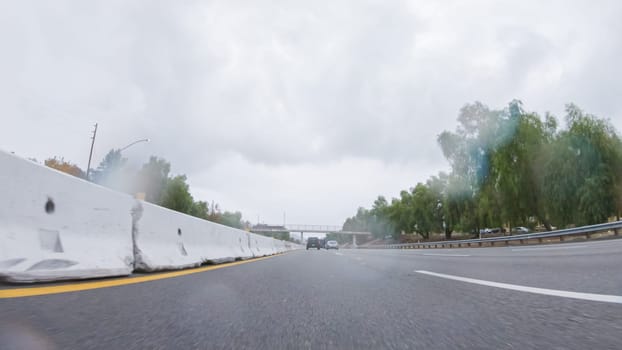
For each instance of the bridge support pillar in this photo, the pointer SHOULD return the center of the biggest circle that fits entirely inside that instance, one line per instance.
(354, 241)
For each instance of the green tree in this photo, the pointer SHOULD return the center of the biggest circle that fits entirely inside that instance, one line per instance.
(515, 166)
(510, 167)
(359, 222)
(152, 179)
(375, 220)
(425, 209)
(469, 151)
(234, 219)
(200, 209)
(401, 213)
(581, 181)
(441, 210)
(340, 238)
(111, 172)
(459, 207)
(177, 196)
(282, 235)
(380, 223)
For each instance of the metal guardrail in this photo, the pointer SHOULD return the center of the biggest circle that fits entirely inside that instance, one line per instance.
(584, 230)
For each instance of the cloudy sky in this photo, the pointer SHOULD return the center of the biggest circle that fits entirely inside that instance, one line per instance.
(312, 108)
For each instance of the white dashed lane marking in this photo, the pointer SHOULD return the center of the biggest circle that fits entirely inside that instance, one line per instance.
(439, 254)
(616, 299)
(547, 248)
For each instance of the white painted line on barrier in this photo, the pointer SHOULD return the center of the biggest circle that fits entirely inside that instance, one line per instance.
(552, 292)
(547, 248)
(439, 254)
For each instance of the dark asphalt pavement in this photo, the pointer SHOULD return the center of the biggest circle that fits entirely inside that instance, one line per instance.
(347, 299)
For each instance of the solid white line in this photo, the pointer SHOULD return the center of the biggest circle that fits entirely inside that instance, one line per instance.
(548, 248)
(339, 254)
(553, 292)
(445, 254)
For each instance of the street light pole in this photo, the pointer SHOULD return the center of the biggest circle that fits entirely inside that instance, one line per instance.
(132, 144)
(88, 167)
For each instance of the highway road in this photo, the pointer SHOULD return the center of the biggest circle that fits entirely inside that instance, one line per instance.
(565, 296)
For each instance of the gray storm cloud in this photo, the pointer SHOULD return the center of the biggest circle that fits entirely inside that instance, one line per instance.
(263, 87)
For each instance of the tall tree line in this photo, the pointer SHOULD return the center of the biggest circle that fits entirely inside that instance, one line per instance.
(510, 168)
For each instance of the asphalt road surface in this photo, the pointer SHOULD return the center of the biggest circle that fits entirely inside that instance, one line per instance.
(566, 296)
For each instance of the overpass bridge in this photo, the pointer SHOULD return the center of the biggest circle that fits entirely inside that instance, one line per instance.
(303, 228)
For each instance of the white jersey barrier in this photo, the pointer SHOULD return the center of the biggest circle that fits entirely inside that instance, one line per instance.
(165, 239)
(291, 246)
(54, 226)
(262, 245)
(280, 246)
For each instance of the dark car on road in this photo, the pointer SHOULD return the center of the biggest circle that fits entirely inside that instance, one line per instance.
(313, 242)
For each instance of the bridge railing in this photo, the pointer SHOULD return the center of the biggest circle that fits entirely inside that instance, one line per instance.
(298, 228)
(588, 231)
(303, 228)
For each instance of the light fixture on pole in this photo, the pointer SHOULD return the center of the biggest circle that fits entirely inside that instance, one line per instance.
(132, 144)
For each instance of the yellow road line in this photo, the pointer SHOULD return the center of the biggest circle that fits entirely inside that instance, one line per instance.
(66, 288)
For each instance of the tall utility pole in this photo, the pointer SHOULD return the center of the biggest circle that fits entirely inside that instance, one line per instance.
(88, 167)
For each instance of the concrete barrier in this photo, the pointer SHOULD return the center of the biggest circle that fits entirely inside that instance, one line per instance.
(280, 245)
(54, 226)
(165, 239)
(262, 245)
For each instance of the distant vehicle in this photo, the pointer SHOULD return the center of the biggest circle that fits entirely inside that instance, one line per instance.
(332, 245)
(495, 230)
(542, 228)
(520, 230)
(322, 243)
(313, 242)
